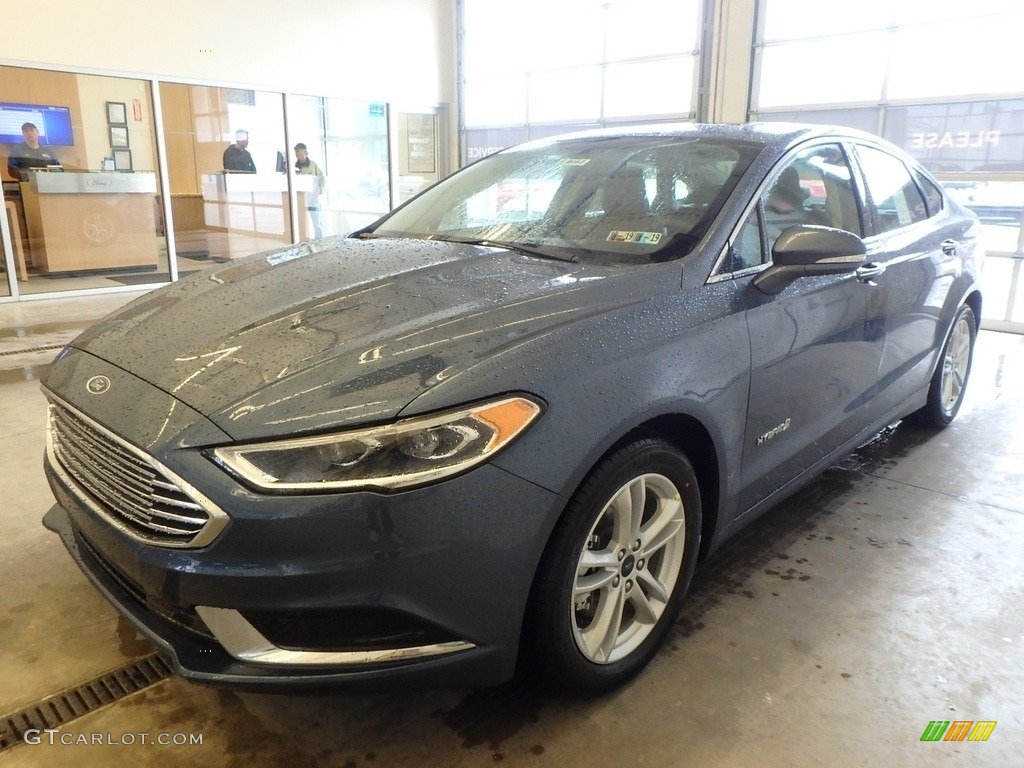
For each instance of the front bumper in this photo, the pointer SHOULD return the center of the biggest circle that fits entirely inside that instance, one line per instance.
(464, 597)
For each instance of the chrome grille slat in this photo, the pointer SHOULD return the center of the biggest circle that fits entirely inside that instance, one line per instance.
(167, 529)
(95, 482)
(178, 504)
(129, 472)
(105, 444)
(142, 517)
(174, 516)
(108, 478)
(118, 480)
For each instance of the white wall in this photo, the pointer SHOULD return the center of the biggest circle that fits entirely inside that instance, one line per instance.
(401, 51)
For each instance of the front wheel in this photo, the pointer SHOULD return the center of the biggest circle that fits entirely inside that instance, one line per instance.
(949, 382)
(614, 574)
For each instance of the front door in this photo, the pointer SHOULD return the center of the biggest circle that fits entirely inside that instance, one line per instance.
(816, 346)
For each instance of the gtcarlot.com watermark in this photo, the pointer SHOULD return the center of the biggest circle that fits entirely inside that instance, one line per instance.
(57, 737)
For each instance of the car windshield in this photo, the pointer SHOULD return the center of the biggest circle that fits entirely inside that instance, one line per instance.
(620, 199)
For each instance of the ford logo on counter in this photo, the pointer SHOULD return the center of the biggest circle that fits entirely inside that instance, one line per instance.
(98, 182)
(97, 385)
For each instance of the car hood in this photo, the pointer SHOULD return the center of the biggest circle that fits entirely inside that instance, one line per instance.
(343, 331)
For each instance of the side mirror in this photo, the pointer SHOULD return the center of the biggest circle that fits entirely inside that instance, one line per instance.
(811, 250)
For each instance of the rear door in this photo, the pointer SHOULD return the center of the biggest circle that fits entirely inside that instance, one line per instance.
(914, 237)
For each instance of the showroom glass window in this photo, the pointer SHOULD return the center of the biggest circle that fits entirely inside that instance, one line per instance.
(348, 142)
(936, 79)
(224, 209)
(574, 64)
(104, 214)
(83, 206)
(810, 57)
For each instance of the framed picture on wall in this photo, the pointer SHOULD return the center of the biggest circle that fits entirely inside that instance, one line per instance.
(116, 113)
(118, 136)
(122, 159)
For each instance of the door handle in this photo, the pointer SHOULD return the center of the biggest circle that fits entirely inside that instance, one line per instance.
(949, 247)
(869, 271)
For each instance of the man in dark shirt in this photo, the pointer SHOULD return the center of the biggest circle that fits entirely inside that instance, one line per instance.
(237, 157)
(29, 154)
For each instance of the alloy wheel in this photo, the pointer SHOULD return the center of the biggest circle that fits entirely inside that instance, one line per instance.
(628, 569)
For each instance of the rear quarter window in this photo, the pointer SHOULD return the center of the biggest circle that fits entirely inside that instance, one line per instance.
(932, 194)
(893, 191)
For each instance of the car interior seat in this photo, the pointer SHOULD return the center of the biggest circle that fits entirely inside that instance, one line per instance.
(624, 194)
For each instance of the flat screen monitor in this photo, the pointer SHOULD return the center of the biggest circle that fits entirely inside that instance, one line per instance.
(54, 123)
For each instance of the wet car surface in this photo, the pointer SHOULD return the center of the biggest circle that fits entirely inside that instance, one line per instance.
(492, 428)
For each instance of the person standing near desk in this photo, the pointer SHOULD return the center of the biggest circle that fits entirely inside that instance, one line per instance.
(236, 157)
(305, 166)
(30, 154)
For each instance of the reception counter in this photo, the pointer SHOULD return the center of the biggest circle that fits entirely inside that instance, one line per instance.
(90, 221)
(247, 202)
(253, 207)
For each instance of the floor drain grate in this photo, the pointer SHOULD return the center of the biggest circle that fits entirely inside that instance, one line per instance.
(50, 348)
(62, 708)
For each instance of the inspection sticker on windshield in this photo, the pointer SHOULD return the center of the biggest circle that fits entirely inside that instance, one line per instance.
(641, 238)
(574, 161)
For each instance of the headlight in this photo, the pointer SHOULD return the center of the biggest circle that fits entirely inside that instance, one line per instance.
(412, 452)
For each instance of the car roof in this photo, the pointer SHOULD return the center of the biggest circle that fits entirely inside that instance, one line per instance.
(777, 135)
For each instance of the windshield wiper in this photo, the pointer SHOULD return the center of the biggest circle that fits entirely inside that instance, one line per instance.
(530, 249)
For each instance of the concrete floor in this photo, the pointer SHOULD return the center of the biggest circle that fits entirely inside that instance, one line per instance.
(885, 596)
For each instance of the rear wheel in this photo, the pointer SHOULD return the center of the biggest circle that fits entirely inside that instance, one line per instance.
(949, 382)
(615, 572)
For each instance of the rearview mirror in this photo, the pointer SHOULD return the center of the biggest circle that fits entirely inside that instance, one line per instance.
(811, 250)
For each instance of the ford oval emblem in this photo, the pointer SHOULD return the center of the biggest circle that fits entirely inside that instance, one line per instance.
(97, 385)
(98, 182)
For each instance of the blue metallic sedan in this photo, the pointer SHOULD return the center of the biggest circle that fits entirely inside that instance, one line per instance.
(504, 423)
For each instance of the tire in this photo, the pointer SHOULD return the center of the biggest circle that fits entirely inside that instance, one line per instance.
(949, 382)
(614, 573)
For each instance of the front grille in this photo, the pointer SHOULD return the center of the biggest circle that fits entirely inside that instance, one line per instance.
(129, 488)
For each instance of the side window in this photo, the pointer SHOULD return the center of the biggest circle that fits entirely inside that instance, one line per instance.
(746, 250)
(932, 194)
(896, 197)
(815, 186)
